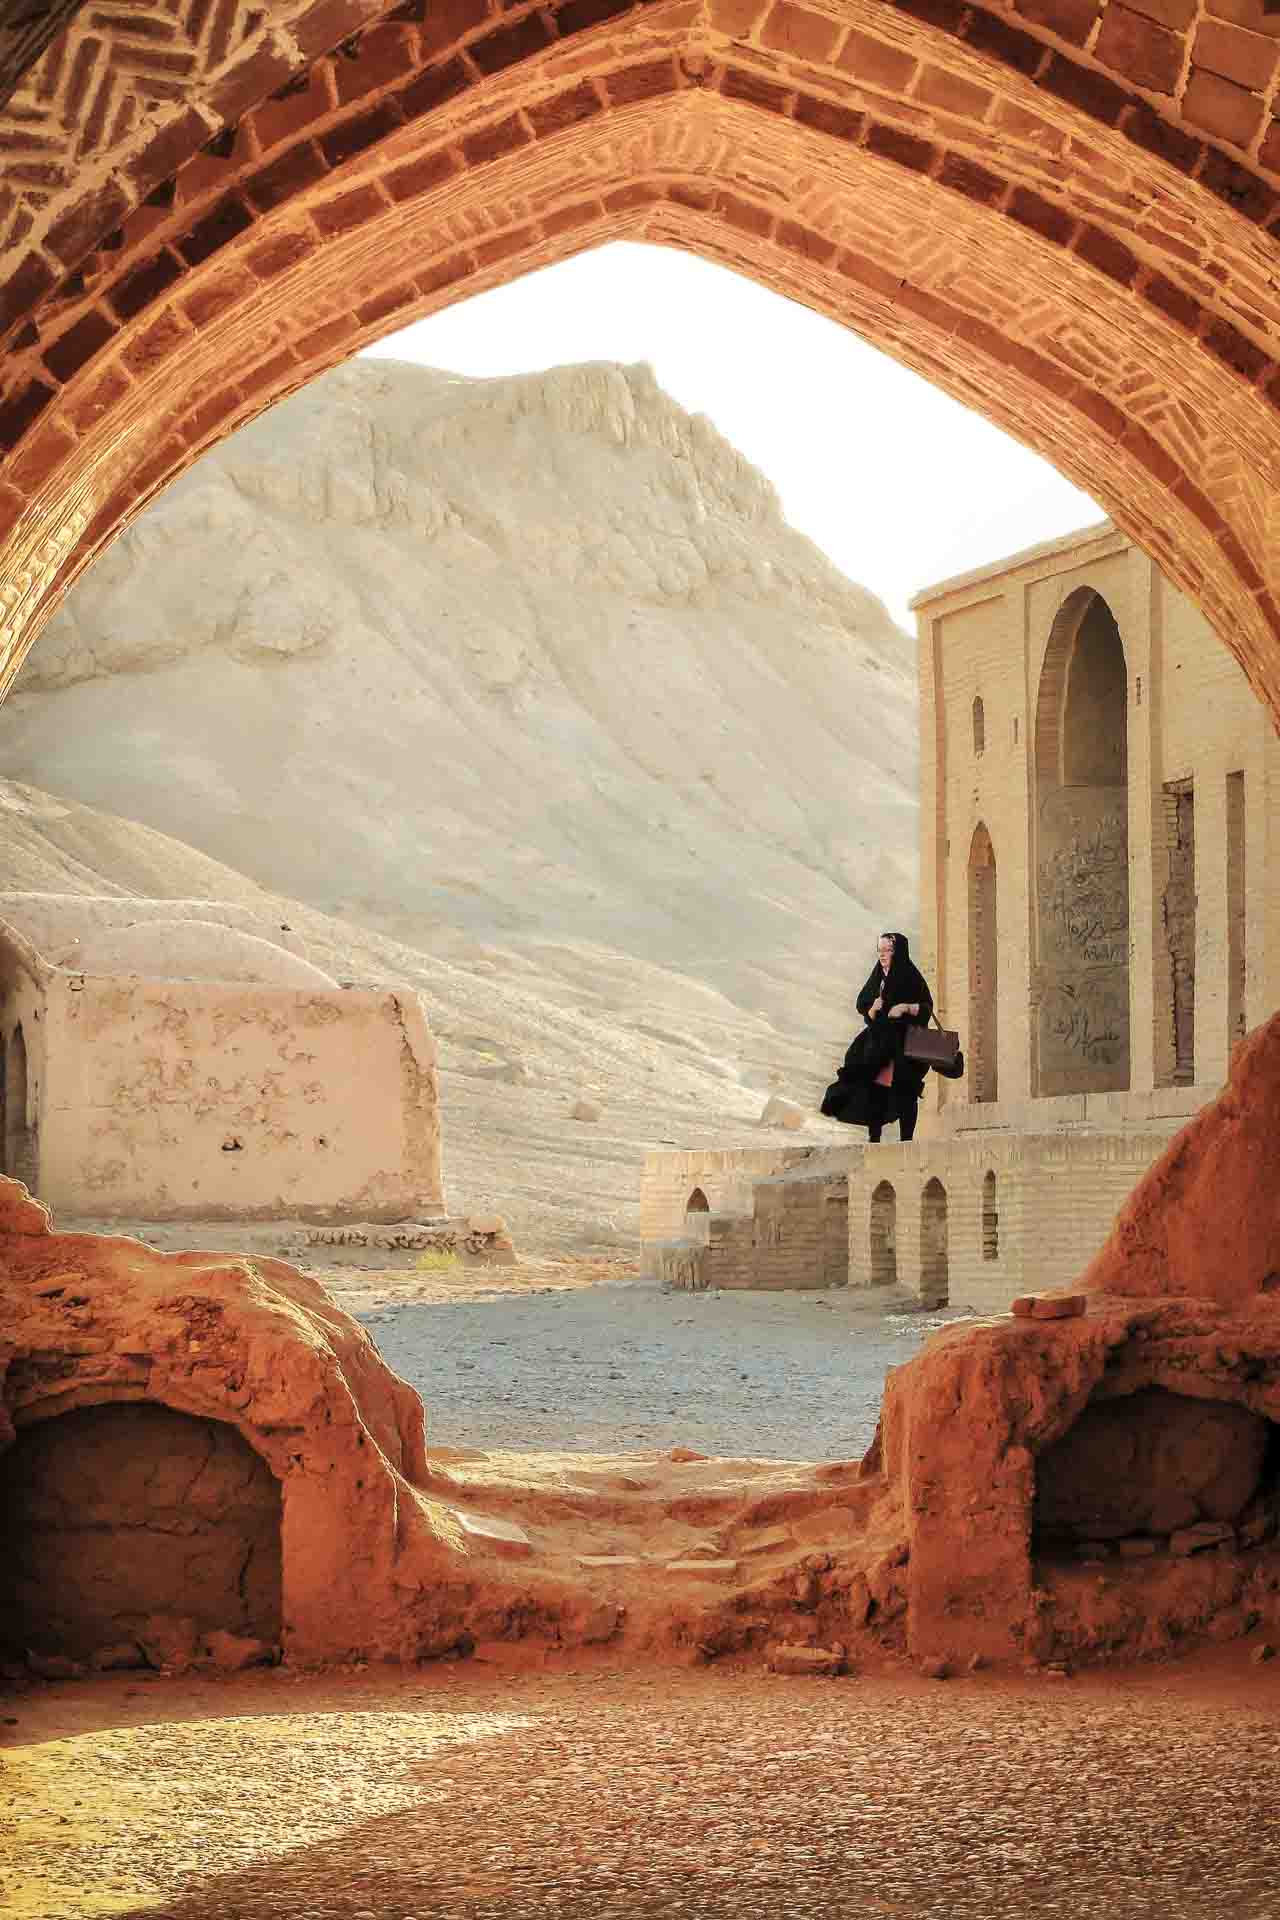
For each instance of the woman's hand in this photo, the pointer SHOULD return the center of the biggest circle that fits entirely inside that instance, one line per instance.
(896, 1013)
(876, 1007)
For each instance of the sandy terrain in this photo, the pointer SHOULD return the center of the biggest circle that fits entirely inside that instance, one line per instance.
(668, 1060)
(521, 1786)
(524, 693)
(789, 1376)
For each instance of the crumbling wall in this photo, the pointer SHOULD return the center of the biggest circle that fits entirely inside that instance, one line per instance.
(198, 1100)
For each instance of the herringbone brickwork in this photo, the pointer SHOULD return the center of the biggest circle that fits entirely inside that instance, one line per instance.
(204, 205)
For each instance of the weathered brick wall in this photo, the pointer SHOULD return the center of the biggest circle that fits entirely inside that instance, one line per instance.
(725, 1176)
(779, 1218)
(1054, 1199)
(1202, 813)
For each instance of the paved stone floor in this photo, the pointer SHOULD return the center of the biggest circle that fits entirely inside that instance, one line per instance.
(778, 1375)
(495, 1790)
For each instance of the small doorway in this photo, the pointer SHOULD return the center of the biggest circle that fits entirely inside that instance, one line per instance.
(935, 1285)
(884, 1236)
(19, 1134)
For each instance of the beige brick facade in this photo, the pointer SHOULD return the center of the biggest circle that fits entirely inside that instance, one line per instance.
(1099, 839)
(1100, 836)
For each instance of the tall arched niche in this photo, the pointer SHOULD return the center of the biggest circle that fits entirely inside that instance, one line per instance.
(1080, 907)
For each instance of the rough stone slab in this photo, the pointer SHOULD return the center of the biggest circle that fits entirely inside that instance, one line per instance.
(607, 1559)
(1205, 1533)
(767, 1542)
(1049, 1306)
(503, 1536)
(713, 1569)
(787, 1657)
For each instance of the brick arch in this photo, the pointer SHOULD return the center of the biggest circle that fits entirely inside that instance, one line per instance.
(1102, 291)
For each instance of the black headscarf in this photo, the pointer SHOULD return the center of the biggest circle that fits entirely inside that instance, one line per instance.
(905, 982)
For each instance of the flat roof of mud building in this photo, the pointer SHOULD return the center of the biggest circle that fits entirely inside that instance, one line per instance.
(1028, 556)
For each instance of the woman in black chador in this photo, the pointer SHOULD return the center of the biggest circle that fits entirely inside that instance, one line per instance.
(877, 1083)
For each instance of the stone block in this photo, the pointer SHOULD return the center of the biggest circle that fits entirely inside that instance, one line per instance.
(499, 1536)
(886, 67)
(233, 1652)
(951, 94)
(1070, 19)
(1048, 1306)
(1197, 1538)
(1247, 58)
(771, 1540)
(708, 1569)
(601, 1562)
(1222, 108)
(797, 31)
(1147, 53)
(788, 1657)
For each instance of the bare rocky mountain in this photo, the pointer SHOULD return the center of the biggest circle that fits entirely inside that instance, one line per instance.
(526, 689)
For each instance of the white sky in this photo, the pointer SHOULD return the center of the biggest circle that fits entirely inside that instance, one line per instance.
(900, 485)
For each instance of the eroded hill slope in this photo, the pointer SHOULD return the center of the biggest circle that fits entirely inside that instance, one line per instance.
(533, 660)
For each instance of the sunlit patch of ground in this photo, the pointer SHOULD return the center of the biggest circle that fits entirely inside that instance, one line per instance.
(434, 1283)
(516, 1787)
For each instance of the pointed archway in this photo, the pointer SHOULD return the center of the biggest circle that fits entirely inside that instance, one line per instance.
(1081, 872)
(984, 950)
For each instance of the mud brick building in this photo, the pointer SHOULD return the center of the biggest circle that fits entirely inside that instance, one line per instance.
(183, 1060)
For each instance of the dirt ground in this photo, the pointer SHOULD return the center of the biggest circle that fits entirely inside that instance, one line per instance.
(528, 1784)
(513, 1785)
(620, 1364)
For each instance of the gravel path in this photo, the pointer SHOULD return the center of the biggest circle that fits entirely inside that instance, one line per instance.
(483, 1792)
(779, 1376)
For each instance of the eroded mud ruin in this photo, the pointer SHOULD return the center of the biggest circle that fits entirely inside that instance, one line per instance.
(1063, 212)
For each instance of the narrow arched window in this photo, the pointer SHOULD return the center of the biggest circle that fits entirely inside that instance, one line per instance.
(990, 1219)
(979, 726)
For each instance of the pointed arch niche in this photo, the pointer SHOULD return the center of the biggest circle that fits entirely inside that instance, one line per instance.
(1081, 904)
(984, 951)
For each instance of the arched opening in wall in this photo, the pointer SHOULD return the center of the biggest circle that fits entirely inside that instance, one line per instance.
(115, 1520)
(979, 727)
(990, 1218)
(884, 1236)
(1080, 985)
(697, 1217)
(835, 1234)
(19, 1132)
(935, 1279)
(1150, 1480)
(984, 950)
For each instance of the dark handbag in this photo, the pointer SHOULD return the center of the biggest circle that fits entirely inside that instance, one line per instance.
(940, 1050)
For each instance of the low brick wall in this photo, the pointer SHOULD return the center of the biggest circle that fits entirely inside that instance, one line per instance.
(975, 1220)
(725, 1176)
(969, 1221)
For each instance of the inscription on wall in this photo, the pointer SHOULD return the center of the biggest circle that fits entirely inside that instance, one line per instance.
(1084, 878)
(1083, 889)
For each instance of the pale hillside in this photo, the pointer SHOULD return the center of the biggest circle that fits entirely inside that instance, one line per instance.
(529, 674)
(521, 1038)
